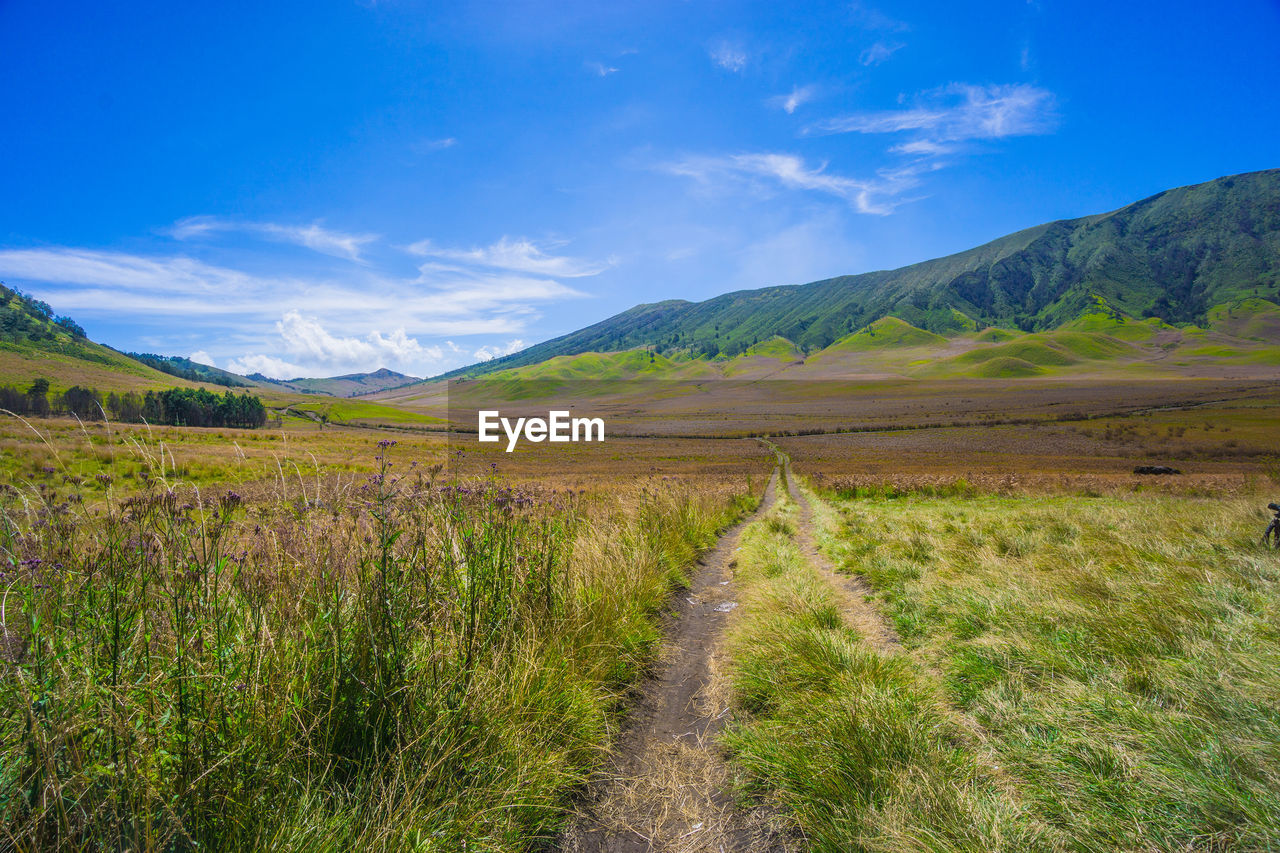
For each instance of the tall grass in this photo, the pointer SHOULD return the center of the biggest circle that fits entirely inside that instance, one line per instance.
(405, 664)
(854, 744)
(1119, 655)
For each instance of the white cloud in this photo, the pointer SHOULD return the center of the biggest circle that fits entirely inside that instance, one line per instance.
(426, 146)
(488, 353)
(266, 365)
(455, 300)
(314, 349)
(791, 172)
(600, 69)
(729, 56)
(960, 112)
(314, 236)
(202, 357)
(798, 96)
(879, 52)
(518, 255)
(873, 19)
(289, 318)
(307, 339)
(923, 148)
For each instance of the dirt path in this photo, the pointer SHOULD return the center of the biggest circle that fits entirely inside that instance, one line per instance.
(668, 787)
(858, 611)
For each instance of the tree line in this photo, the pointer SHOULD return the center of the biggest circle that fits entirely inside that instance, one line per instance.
(173, 407)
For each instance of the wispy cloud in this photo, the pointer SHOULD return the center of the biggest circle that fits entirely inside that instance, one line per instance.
(314, 236)
(880, 51)
(922, 148)
(790, 102)
(497, 290)
(490, 352)
(599, 68)
(875, 195)
(730, 57)
(959, 112)
(426, 146)
(517, 255)
(873, 19)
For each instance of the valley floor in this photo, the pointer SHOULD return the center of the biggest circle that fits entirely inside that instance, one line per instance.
(983, 637)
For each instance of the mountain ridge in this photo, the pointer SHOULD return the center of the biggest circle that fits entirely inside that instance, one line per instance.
(1173, 255)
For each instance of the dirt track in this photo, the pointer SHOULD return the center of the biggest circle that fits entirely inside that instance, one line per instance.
(858, 612)
(668, 787)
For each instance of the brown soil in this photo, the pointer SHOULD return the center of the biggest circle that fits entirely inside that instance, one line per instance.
(668, 787)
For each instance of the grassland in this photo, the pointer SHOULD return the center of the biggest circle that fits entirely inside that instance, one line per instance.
(1074, 673)
(294, 638)
(319, 658)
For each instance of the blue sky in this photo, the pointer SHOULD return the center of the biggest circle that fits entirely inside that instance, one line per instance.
(316, 188)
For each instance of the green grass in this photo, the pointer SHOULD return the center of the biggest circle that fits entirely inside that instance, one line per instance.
(996, 335)
(597, 366)
(885, 333)
(387, 665)
(1120, 654)
(1105, 319)
(1253, 318)
(1006, 367)
(1033, 349)
(853, 744)
(776, 347)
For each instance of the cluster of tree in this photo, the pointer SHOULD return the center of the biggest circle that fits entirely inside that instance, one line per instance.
(174, 407)
(185, 368)
(25, 318)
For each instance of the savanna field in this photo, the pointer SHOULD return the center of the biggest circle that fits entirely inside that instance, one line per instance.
(846, 426)
(304, 637)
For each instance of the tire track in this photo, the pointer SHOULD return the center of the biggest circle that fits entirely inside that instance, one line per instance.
(858, 610)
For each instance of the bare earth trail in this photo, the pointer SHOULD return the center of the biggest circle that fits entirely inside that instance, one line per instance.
(668, 787)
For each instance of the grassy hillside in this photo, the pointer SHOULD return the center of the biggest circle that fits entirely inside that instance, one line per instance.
(1172, 256)
(36, 344)
(1102, 341)
(883, 334)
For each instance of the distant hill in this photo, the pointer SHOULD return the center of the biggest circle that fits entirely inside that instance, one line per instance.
(349, 385)
(1173, 256)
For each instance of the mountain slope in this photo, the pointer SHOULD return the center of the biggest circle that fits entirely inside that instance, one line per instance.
(1174, 256)
(36, 344)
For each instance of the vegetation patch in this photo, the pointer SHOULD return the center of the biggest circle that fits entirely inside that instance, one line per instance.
(1125, 672)
(853, 744)
(1006, 367)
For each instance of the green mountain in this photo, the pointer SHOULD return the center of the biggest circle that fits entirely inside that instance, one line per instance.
(1173, 256)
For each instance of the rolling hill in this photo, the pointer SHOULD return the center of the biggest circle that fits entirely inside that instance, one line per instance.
(347, 385)
(1174, 256)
